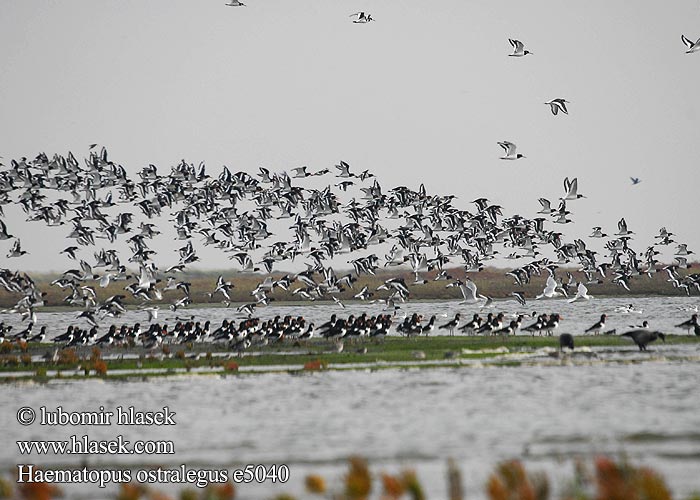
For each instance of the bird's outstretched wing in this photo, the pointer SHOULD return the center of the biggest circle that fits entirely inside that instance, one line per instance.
(517, 44)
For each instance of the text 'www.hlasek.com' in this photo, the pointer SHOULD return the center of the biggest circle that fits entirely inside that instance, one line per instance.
(124, 418)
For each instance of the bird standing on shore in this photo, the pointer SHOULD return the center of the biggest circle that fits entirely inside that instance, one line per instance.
(642, 337)
(566, 340)
(598, 326)
(451, 325)
(691, 323)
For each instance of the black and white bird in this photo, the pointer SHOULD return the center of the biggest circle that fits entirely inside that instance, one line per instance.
(692, 46)
(363, 294)
(309, 333)
(557, 105)
(683, 249)
(599, 326)
(571, 189)
(428, 329)
(598, 233)
(645, 324)
(451, 325)
(509, 149)
(361, 17)
(471, 326)
(39, 337)
(4, 235)
(622, 228)
(506, 331)
(518, 48)
(222, 287)
(235, 3)
(546, 206)
(691, 323)
(24, 334)
(552, 324)
(520, 297)
(16, 250)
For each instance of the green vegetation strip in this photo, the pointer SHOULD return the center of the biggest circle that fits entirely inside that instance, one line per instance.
(21, 362)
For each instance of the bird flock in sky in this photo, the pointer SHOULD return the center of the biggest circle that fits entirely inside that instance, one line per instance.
(347, 220)
(352, 219)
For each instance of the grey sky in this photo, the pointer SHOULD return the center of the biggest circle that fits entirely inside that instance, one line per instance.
(421, 95)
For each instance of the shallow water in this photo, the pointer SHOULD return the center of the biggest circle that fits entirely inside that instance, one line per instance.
(545, 413)
(661, 312)
(395, 418)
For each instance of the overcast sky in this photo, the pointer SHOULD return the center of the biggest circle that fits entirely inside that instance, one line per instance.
(421, 95)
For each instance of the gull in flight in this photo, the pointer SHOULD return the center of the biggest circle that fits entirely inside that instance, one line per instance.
(468, 290)
(635, 180)
(581, 293)
(235, 3)
(557, 105)
(509, 149)
(550, 289)
(692, 46)
(518, 48)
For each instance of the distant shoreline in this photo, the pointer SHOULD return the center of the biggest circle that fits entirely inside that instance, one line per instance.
(491, 282)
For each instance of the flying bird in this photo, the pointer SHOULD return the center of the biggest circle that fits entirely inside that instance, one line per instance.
(550, 289)
(622, 228)
(518, 48)
(692, 46)
(361, 17)
(509, 149)
(468, 290)
(571, 189)
(581, 293)
(520, 297)
(557, 105)
(635, 180)
(4, 235)
(16, 250)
